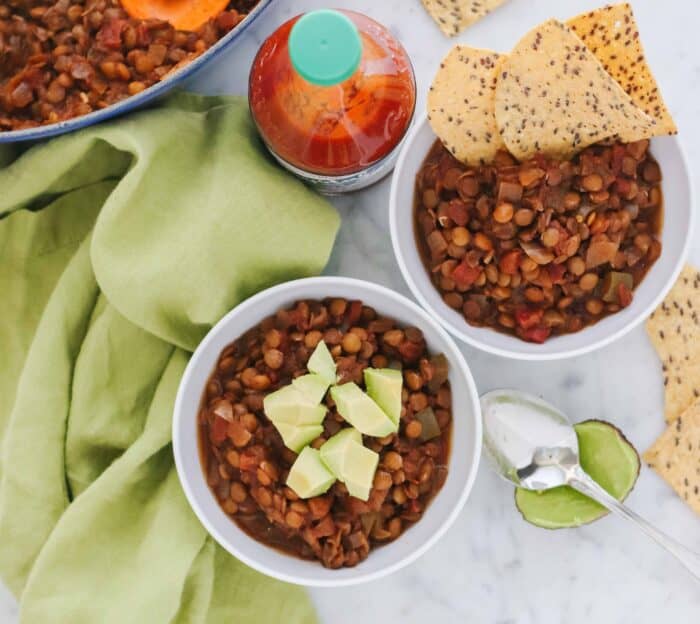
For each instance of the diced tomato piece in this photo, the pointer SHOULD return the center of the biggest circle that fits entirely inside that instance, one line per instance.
(464, 275)
(510, 262)
(354, 312)
(218, 430)
(618, 153)
(458, 212)
(110, 35)
(411, 351)
(623, 186)
(535, 334)
(556, 272)
(251, 458)
(528, 318)
(624, 295)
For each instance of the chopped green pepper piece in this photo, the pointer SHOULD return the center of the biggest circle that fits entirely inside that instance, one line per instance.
(429, 424)
(440, 372)
(611, 282)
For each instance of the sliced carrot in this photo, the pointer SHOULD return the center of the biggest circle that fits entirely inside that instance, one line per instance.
(182, 14)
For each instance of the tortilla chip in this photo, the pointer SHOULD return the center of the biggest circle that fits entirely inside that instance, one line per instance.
(611, 33)
(461, 104)
(676, 456)
(554, 96)
(453, 16)
(674, 330)
(681, 388)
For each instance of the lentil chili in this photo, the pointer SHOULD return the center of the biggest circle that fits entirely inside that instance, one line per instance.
(246, 463)
(67, 58)
(544, 247)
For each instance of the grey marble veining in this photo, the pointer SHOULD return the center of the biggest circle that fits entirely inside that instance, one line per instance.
(492, 567)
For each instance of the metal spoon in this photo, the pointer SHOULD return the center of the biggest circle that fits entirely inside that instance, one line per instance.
(533, 445)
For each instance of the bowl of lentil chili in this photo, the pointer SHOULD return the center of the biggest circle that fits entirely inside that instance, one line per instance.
(543, 259)
(68, 64)
(331, 540)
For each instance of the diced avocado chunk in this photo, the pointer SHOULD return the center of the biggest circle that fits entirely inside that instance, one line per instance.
(285, 400)
(384, 387)
(304, 415)
(361, 411)
(334, 451)
(351, 462)
(312, 386)
(291, 406)
(608, 457)
(360, 466)
(297, 437)
(321, 362)
(309, 476)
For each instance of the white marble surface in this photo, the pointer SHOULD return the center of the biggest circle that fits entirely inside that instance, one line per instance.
(492, 567)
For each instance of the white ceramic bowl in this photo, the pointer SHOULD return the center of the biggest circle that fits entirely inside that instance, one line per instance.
(676, 235)
(464, 458)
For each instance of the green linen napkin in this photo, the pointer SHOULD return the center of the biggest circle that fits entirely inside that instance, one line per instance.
(120, 246)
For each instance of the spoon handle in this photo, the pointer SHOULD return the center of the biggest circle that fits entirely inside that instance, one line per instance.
(580, 481)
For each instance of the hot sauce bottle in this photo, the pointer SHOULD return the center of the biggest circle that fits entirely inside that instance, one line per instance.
(333, 94)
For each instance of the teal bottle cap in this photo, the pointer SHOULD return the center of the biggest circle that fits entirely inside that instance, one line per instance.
(325, 47)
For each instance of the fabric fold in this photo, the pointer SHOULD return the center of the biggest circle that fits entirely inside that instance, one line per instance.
(33, 492)
(120, 246)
